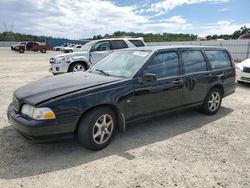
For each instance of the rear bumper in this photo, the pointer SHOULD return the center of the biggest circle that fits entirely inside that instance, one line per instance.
(242, 76)
(229, 89)
(39, 131)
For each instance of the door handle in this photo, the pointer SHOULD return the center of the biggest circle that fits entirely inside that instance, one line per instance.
(178, 81)
(208, 75)
(221, 74)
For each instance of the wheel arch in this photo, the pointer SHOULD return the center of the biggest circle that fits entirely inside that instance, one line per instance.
(79, 61)
(120, 117)
(219, 86)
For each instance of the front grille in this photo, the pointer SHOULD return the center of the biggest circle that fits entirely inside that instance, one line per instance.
(246, 69)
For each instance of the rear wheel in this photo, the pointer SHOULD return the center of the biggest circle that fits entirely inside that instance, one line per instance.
(97, 128)
(43, 51)
(76, 67)
(21, 50)
(212, 102)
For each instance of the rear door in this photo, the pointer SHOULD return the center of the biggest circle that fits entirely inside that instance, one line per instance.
(166, 92)
(196, 76)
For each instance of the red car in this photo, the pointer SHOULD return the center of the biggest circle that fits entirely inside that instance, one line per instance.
(32, 46)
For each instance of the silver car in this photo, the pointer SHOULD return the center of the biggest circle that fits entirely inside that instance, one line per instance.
(90, 54)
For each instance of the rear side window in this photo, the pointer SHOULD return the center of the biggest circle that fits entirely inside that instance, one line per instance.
(118, 44)
(218, 59)
(164, 64)
(137, 43)
(193, 61)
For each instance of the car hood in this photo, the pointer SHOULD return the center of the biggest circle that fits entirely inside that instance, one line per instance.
(246, 63)
(54, 86)
(70, 55)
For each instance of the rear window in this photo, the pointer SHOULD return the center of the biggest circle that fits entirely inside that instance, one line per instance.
(137, 43)
(118, 44)
(218, 59)
(193, 61)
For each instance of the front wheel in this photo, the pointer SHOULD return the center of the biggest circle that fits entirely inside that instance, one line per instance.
(21, 50)
(212, 102)
(77, 67)
(97, 128)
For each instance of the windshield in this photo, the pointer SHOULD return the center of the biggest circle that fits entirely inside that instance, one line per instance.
(87, 46)
(123, 63)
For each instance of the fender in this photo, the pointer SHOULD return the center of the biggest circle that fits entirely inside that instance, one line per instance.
(80, 59)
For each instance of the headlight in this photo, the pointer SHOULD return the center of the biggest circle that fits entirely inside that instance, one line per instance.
(42, 113)
(239, 67)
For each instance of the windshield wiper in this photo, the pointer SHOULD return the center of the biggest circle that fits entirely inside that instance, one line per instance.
(103, 72)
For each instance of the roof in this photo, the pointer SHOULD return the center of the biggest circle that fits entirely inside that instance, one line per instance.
(138, 38)
(155, 48)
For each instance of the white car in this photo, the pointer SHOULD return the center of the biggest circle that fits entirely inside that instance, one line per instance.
(91, 53)
(59, 48)
(71, 48)
(243, 71)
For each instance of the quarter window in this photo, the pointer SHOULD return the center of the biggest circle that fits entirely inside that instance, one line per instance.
(218, 59)
(118, 44)
(193, 61)
(137, 43)
(164, 65)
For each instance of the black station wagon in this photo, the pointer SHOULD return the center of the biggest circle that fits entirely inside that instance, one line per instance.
(127, 85)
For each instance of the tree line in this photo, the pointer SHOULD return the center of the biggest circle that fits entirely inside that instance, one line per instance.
(148, 37)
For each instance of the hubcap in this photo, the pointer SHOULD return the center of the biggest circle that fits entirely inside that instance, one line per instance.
(78, 67)
(103, 129)
(214, 101)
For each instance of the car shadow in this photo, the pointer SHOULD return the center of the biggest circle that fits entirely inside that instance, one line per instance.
(243, 85)
(20, 159)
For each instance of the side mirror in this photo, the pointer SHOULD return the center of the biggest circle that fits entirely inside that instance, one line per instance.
(148, 78)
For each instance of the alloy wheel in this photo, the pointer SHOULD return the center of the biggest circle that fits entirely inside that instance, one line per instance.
(214, 101)
(103, 129)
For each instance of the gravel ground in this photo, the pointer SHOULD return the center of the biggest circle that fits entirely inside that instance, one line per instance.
(186, 149)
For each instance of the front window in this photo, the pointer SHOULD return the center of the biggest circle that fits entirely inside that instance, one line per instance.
(101, 46)
(87, 46)
(164, 64)
(121, 63)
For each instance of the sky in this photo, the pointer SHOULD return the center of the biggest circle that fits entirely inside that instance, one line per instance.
(77, 19)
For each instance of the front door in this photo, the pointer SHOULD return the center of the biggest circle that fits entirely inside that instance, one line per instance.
(166, 92)
(99, 51)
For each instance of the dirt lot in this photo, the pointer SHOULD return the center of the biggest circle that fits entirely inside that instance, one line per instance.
(187, 149)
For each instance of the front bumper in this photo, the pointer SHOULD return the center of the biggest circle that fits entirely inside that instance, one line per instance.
(242, 76)
(58, 68)
(39, 131)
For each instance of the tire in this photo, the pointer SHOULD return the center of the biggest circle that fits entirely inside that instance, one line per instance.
(212, 103)
(92, 124)
(77, 67)
(43, 51)
(21, 50)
